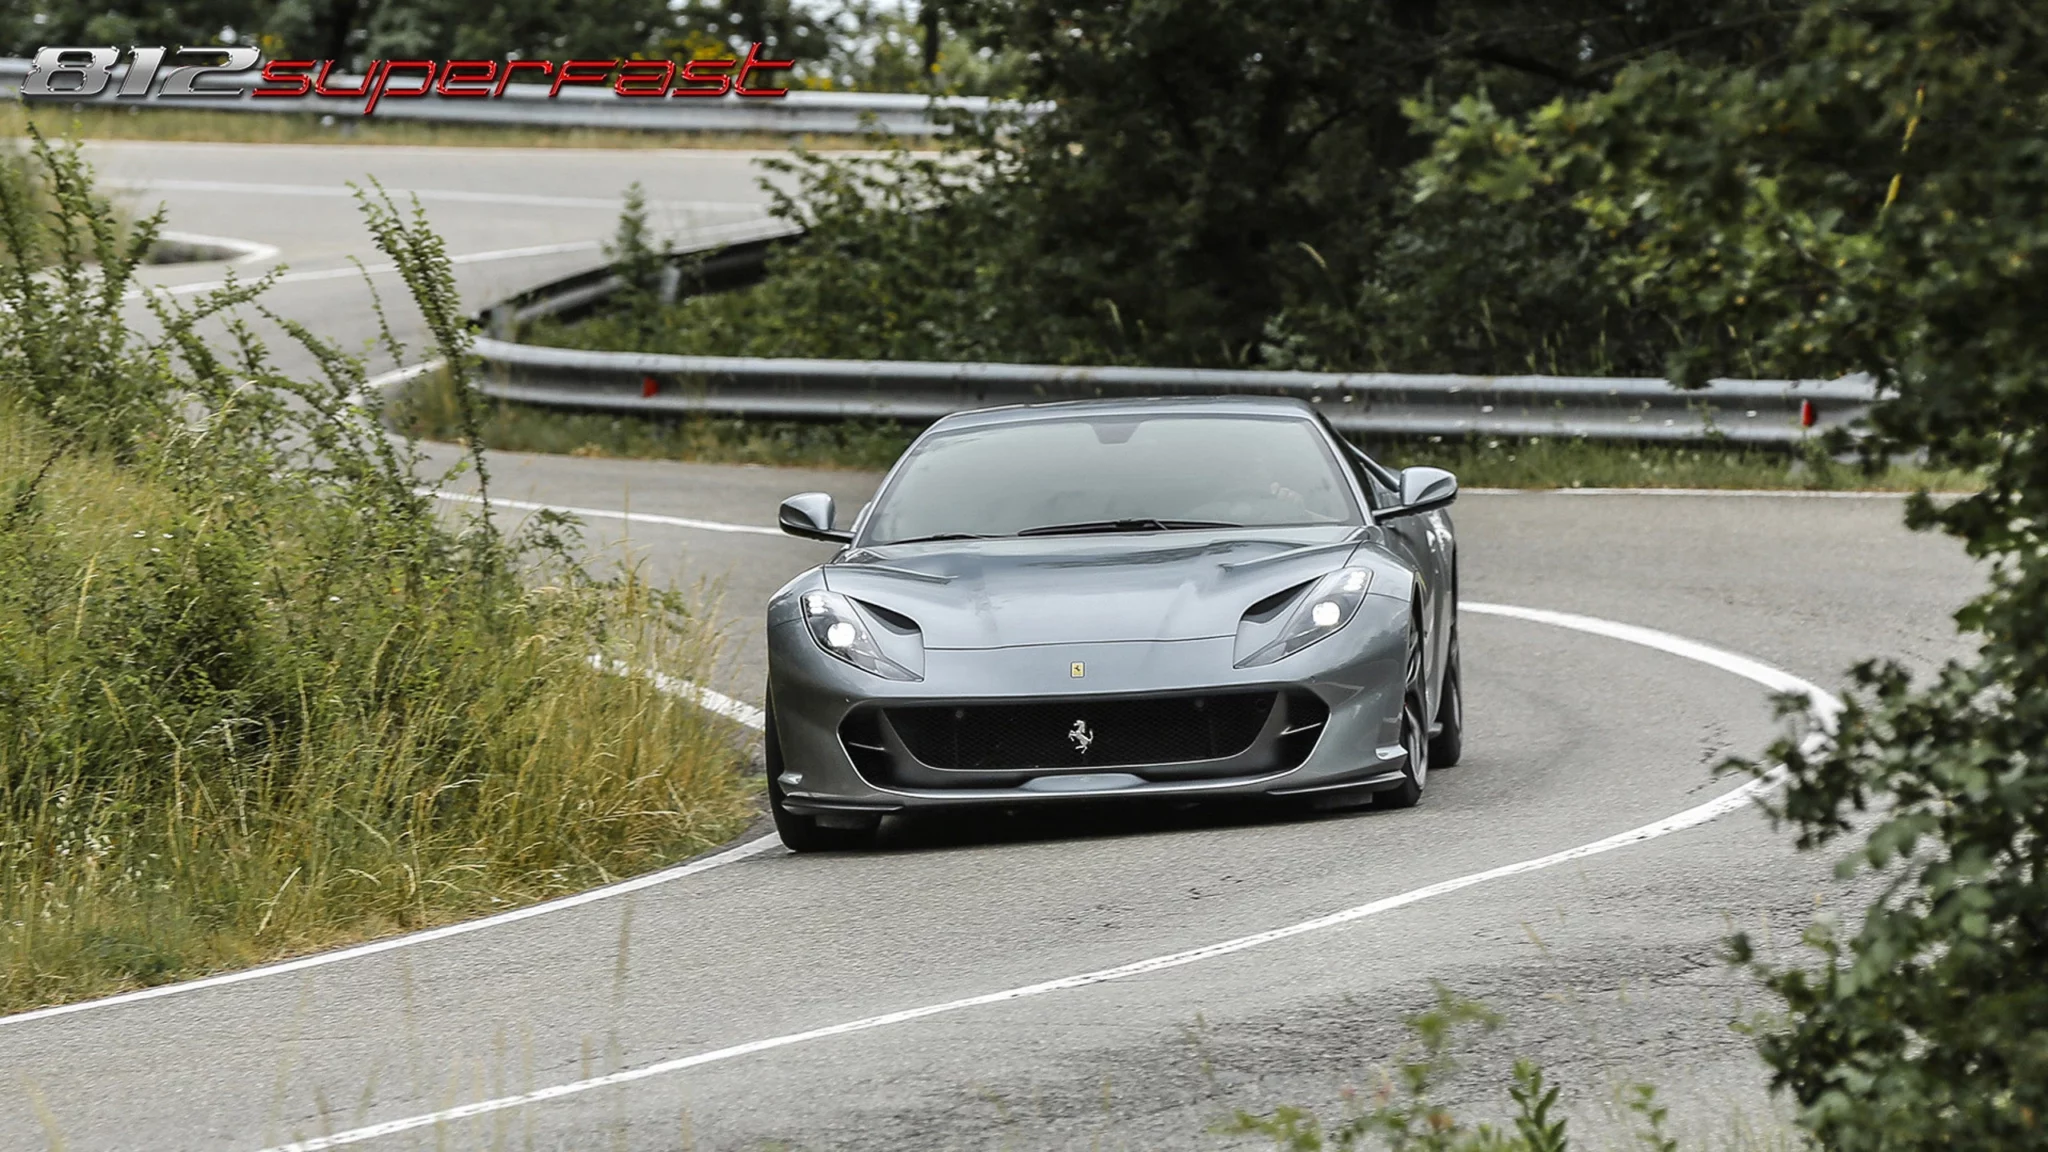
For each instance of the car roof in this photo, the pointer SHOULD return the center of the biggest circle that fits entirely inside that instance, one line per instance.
(1222, 405)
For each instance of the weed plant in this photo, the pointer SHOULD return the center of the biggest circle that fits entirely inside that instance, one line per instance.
(257, 693)
(1405, 1111)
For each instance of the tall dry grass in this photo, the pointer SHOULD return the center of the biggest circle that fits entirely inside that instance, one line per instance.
(256, 694)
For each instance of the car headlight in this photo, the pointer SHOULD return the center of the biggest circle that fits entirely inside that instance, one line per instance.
(1329, 605)
(841, 632)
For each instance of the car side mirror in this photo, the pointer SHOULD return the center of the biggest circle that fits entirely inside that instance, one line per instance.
(809, 515)
(1423, 489)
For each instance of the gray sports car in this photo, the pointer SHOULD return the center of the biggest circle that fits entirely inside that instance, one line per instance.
(1170, 598)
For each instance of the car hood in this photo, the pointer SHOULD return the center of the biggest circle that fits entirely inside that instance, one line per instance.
(1075, 589)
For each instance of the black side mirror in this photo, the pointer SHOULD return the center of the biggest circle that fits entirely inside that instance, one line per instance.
(1423, 489)
(809, 515)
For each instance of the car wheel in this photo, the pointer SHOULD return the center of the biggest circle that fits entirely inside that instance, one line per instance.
(800, 833)
(1449, 742)
(1414, 733)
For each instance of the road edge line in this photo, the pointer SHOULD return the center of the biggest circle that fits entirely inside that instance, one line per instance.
(1822, 707)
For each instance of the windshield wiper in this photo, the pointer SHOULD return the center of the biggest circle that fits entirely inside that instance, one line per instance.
(942, 536)
(1144, 524)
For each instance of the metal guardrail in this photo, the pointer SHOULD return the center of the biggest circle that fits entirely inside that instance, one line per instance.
(1742, 411)
(799, 113)
(1760, 412)
(721, 267)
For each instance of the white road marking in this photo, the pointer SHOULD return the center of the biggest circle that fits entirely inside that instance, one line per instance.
(397, 376)
(604, 513)
(1822, 706)
(352, 272)
(284, 968)
(426, 195)
(706, 698)
(740, 229)
(250, 251)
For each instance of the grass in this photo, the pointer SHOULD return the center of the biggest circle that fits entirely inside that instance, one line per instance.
(257, 696)
(311, 128)
(431, 410)
(184, 793)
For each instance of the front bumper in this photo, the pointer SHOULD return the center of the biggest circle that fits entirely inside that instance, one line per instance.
(992, 726)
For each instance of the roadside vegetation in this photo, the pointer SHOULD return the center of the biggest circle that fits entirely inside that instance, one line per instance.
(871, 45)
(1404, 1110)
(259, 696)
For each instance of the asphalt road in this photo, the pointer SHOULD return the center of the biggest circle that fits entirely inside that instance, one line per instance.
(1606, 967)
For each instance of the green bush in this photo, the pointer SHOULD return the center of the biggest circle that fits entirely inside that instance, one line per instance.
(1874, 202)
(1217, 184)
(256, 693)
(894, 265)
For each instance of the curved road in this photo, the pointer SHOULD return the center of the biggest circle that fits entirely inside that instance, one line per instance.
(1607, 965)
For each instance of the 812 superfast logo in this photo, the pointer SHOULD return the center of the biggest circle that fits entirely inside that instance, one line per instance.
(153, 73)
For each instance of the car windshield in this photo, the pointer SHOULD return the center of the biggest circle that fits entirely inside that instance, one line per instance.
(1113, 473)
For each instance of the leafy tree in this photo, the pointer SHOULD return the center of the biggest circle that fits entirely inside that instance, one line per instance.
(793, 31)
(841, 44)
(1876, 201)
(125, 22)
(1224, 183)
(316, 29)
(1209, 166)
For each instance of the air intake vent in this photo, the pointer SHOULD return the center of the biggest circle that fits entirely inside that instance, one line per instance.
(1082, 732)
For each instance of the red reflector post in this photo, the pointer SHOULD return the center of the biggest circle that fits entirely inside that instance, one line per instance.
(649, 386)
(1806, 414)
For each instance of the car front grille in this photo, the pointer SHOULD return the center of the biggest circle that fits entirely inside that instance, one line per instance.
(1120, 732)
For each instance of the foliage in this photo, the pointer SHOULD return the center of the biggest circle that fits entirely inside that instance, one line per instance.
(875, 45)
(1875, 203)
(1217, 178)
(257, 694)
(837, 44)
(886, 46)
(1406, 1115)
(1224, 184)
(876, 276)
(639, 263)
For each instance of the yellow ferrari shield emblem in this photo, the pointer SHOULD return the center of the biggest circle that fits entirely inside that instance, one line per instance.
(1078, 670)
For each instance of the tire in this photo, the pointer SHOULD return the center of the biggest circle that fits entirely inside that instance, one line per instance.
(1414, 732)
(801, 833)
(1449, 742)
